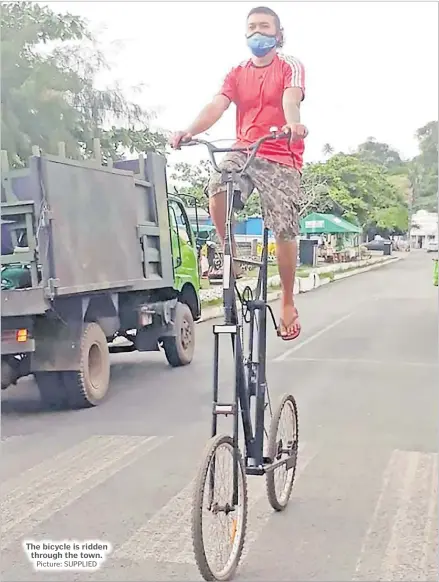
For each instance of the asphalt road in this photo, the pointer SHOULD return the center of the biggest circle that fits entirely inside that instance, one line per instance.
(364, 506)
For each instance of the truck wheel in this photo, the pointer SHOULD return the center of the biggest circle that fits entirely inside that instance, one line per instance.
(89, 386)
(52, 390)
(179, 350)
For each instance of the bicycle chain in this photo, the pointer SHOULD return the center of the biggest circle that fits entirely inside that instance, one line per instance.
(247, 295)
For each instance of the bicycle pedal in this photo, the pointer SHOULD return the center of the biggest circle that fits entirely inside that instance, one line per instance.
(233, 329)
(224, 409)
(258, 471)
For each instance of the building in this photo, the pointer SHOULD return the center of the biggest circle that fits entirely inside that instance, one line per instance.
(424, 229)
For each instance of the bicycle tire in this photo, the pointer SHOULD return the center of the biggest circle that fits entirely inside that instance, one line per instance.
(201, 559)
(279, 504)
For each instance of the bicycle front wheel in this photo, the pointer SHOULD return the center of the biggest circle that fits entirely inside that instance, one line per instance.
(218, 527)
(283, 443)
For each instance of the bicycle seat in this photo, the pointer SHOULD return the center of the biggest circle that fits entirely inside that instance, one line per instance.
(238, 204)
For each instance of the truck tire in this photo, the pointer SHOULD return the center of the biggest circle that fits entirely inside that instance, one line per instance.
(179, 350)
(52, 390)
(86, 387)
(89, 386)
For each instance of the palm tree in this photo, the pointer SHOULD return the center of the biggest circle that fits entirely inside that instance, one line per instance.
(327, 149)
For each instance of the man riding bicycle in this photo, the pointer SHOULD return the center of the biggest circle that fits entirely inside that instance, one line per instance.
(267, 91)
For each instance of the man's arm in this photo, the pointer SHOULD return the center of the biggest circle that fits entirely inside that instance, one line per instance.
(293, 95)
(209, 115)
(291, 100)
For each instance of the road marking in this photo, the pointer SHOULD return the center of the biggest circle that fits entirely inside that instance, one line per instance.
(167, 536)
(262, 512)
(311, 338)
(7, 440)
(367, 362)
(42, 491)
(402, 539)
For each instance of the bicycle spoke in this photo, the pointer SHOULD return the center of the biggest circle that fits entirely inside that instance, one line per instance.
(283, 446)
(218, 527)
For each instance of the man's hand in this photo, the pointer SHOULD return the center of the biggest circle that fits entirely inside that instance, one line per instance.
(178, 137)
(296, 131)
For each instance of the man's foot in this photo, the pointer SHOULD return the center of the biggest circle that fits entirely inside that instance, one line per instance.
(289, 325)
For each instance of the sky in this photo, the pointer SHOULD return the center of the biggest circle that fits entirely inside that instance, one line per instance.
(371, 67)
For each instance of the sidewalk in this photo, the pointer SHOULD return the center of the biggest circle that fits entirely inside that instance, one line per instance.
(316, 277)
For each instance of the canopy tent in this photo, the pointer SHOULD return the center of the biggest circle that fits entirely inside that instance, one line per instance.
(317, 223)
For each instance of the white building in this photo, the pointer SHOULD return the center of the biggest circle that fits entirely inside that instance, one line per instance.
(424, 228)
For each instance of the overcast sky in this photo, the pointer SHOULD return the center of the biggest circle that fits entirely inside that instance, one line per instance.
(371, 67)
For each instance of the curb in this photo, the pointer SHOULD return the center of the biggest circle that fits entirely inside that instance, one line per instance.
(301, 287)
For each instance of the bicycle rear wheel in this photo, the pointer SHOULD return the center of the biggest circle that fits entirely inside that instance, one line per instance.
(283, 443)
(212, 501)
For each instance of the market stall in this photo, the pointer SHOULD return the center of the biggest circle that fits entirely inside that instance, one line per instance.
(338, 239)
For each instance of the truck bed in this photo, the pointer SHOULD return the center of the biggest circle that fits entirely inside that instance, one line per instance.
(89, 229)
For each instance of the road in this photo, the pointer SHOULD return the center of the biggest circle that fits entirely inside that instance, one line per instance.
(364, 506)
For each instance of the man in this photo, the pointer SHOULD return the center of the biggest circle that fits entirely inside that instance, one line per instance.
(267, 91)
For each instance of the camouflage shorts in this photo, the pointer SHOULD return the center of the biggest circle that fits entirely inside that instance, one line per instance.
(278, 186)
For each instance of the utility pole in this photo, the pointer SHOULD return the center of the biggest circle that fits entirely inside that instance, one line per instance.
(410, 215)
(414, 179)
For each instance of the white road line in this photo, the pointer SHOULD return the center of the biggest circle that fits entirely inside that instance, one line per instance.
(367, 362)
(311, 338)
(42, 491)
(167, 536)
(431, 538)
(402, 536)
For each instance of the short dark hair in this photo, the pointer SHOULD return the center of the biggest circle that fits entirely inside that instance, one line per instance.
(270, 12)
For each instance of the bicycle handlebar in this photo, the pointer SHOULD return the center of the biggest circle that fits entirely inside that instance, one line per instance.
(212, 149)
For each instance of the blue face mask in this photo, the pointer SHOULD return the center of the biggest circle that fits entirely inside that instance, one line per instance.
(261, 44)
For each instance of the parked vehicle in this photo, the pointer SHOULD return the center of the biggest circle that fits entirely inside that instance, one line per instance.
(377, 244)
(432, 246)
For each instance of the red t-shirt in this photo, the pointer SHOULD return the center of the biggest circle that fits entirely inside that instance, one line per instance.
(257, 93)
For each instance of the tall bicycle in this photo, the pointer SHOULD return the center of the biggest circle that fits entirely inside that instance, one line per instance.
(224, 500)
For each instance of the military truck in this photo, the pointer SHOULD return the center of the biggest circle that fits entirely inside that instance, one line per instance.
(91, 253)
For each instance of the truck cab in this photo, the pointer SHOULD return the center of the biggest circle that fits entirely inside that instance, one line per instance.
(184, 255)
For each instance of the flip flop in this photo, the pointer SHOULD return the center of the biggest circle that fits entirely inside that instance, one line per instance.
(289, 337)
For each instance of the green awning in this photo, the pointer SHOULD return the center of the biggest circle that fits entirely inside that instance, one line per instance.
(317, 223)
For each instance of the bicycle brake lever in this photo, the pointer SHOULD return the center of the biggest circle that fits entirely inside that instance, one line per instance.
(190, 142)
(276, 134)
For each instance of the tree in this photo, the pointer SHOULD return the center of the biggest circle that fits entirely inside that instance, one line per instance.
(192, 180)
(314, 192)
(327, 149)
(50, 96)
(361, 192)
(379, 153)
(423, 169)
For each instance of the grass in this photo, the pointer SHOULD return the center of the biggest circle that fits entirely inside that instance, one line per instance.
(301, 272)
(253, 273)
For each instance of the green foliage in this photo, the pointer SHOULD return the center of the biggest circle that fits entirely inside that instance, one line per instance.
(417, 178)
(252, 206)
(360, 191)
(378, 153)
(192, 180)
(424, 169)
(49, 64)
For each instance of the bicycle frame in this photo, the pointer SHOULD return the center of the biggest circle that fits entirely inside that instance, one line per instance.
(252, 384)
